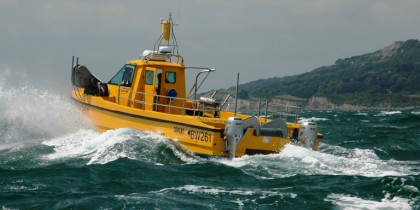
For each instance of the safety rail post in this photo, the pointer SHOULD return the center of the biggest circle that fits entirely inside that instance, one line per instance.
(298, 109)
(183, 107)
(170, 102)
(266, 109)
(224, 102)
(236, 95)
(259, 107)
(156, 103)
(118, 99)
(143, 105)
(287, 111)
(214, 93)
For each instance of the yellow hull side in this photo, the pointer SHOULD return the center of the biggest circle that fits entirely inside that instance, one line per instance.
(199, 135)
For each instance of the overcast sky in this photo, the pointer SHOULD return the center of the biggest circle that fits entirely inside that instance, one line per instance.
(259, 39)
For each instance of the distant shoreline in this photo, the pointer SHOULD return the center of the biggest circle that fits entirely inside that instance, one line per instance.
(323, 104)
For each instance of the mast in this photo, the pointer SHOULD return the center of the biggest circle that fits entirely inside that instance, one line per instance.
(167, 43)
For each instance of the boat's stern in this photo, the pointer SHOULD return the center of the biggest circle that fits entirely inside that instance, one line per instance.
(251, 136)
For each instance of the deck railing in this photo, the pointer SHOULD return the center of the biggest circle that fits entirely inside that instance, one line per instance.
(272, 110)
(210, 107)
(198, 107)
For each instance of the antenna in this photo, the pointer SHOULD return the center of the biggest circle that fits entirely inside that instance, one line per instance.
(177, 22)
(236, 96)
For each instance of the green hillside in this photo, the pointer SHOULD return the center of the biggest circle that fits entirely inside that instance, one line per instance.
(387, 77)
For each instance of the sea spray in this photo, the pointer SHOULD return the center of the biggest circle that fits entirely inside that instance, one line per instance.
(29, 114)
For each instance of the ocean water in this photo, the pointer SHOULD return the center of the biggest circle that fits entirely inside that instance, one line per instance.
(50, 158)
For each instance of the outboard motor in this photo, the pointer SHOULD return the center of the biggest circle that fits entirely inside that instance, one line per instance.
(308, 133)
(233, 134)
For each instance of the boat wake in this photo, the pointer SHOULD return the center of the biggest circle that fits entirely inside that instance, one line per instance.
(330, 160)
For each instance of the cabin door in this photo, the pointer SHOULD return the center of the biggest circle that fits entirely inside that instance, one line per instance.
(123, 79)
(149, 88)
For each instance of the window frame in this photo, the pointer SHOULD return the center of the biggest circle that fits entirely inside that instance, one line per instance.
(120, 76)
(166, 77)
(153, 76)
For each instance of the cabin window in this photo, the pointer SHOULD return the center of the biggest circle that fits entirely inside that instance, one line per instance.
(149, 77)
(170, 77)
(124, 76)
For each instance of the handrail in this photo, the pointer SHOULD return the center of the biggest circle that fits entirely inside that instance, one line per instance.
(201, 108)
(73, 74)
(194, 87)
(270, 109)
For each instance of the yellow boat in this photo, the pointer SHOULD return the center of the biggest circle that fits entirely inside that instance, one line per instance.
(150, 94)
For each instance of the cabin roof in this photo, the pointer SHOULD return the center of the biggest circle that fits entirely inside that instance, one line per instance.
(155, 63)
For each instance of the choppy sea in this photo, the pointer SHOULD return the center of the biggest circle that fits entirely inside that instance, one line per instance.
(51, 158)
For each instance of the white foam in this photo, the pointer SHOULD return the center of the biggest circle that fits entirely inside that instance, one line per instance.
(293, 160)
(385, 113)
(182, 153)
(411, 188)
(132, 197)
(5, 208)
(316, 119)
(348, 202)
(200, 189)
(102, 148)
(22, 186)
(361, 114)
(415, 112)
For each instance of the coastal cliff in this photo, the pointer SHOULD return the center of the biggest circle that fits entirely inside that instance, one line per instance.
(384, 79)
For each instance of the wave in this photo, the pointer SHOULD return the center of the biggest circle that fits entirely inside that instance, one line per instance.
(233, 197)
(415, 112)
(213, 197)
(102, 148)
(389, 126)
(195, 189)
(407, 119)
(330, 160)
(343, 201)
(316, 119)
(385, 113)
(91, 147)
(361, 114)
(87, 147)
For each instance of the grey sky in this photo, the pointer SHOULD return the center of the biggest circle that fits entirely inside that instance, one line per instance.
(259, 39)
